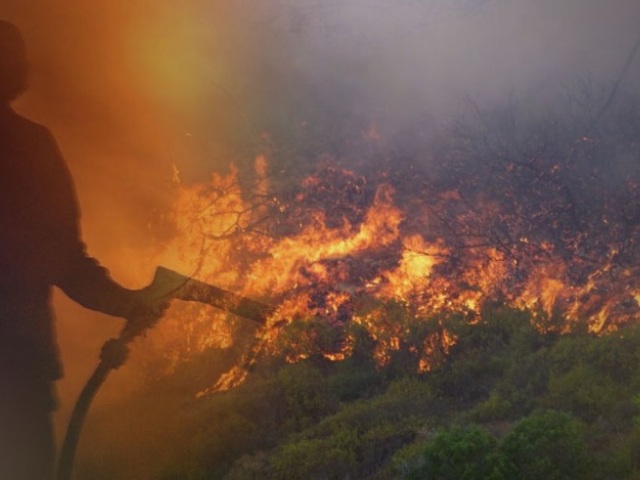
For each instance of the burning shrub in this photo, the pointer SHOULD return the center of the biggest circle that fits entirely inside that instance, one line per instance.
(537, 213)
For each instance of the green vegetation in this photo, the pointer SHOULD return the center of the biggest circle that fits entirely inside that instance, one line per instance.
(507, 402)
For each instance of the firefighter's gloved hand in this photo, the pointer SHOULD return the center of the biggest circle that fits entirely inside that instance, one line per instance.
(114, 353)
(143, 312)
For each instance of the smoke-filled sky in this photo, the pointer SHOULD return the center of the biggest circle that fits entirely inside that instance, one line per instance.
(122, 82)
(132, 87)
(137, 90)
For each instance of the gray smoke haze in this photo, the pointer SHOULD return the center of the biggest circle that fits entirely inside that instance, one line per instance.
(134, 89)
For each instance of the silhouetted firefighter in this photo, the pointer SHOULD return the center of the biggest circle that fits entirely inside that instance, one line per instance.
(40, 247)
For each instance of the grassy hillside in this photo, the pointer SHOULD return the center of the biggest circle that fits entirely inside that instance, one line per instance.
(506, 402)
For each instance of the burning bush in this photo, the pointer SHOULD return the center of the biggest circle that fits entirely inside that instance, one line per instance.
(539, 214)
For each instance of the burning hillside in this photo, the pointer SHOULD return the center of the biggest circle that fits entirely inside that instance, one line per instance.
(543, 218)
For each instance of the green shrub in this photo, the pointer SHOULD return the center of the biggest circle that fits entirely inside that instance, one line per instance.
(547, 445)
(468, 453)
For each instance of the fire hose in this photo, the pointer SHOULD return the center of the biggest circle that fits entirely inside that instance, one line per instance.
(166, 285)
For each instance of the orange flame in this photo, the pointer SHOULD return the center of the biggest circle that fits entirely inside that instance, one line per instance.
(322, 271)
